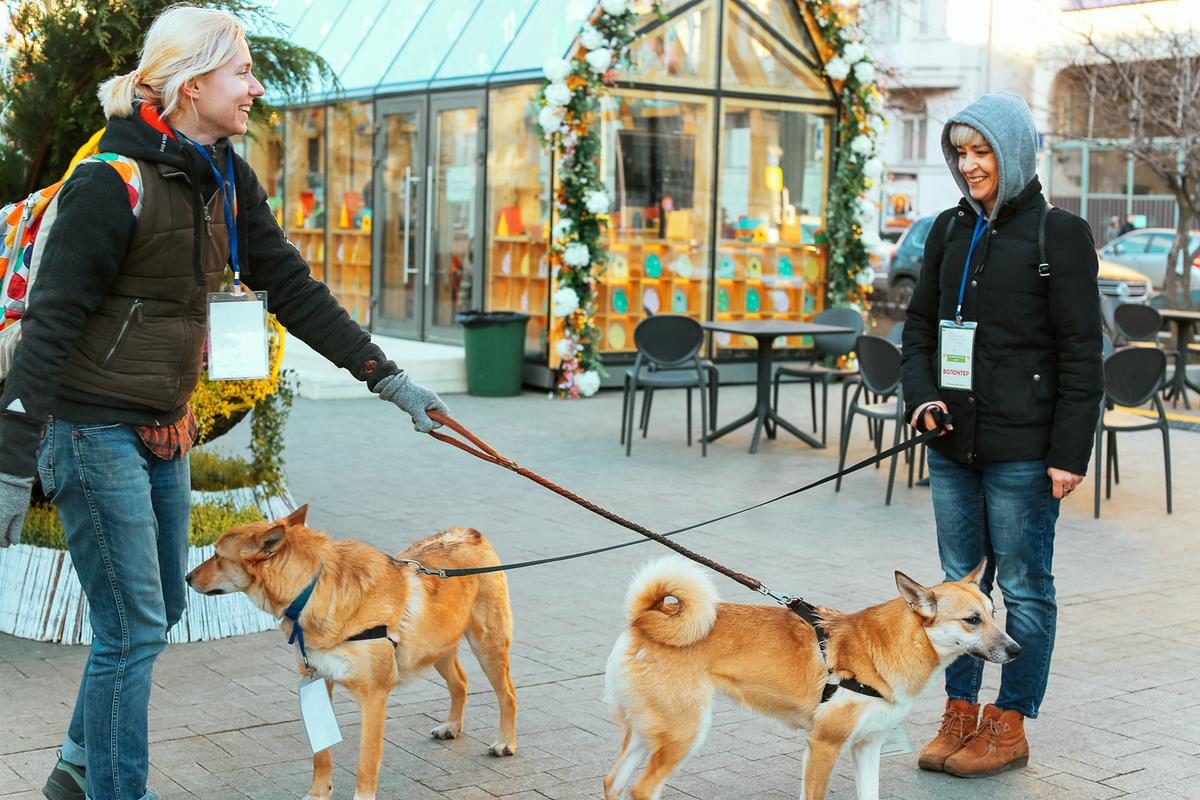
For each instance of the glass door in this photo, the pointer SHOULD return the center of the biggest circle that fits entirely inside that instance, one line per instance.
(429, 194)
(400, 198)
(453, 249)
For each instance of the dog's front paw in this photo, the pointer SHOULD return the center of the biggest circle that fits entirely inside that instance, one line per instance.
(311, 796)
(444, 731)
(502, 749)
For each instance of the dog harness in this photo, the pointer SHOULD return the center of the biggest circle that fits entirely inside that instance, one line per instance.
(293, 611)
(808, 612)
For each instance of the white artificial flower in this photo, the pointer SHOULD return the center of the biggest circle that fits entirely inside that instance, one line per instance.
(870, 236)
(557, 94)
(591, 38)
(873, 169)
(576, 254)
(837, 68)
(864, 71)
(854, 52)
(565, 302)
(562, 228)
(862, 144)
(565, 348)
(556, 69)
(614, 8)
(550, 119)
(865, 276)
(596, 202)
(874, 102)
(599, 60)
(875, 123)
(865, 208)
(588, 382)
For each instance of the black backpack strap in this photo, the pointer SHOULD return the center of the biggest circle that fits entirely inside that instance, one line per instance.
(1043, 264)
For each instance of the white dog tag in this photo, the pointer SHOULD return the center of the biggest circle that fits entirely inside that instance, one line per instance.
(237, 336)
(956, 354)
(897, 743)
(317, 712)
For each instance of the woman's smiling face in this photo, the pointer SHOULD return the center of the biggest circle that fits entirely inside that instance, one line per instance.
(977, 163)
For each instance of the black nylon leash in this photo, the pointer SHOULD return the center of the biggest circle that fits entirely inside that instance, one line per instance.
(492, 455)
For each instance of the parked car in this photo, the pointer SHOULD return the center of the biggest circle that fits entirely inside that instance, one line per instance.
(898, 277)
(1146, 251)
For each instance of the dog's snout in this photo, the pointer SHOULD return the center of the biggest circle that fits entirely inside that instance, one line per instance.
(189, 577)
(1012, 649)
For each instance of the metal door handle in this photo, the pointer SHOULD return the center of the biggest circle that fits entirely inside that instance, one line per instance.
(409, 180)
(430, 184)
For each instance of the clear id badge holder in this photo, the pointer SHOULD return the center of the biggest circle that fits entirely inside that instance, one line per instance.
(956, 354)
(237, 336)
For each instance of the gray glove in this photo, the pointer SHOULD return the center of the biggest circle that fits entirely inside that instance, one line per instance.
(412, 398)
(14, 502)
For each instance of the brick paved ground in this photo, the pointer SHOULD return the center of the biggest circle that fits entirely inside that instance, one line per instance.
(1120, 719)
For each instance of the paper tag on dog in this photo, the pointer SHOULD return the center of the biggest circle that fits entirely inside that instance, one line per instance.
(317, 712)
(897, 743)
(237, 336)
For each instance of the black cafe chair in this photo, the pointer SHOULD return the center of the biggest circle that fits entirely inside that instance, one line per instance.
(1132, 378)
(668, 348)
(830, 345)
(879, 375)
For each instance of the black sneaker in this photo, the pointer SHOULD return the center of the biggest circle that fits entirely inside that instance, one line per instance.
(66, 782)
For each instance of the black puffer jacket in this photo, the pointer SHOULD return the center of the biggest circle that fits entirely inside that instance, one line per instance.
(1038, 377)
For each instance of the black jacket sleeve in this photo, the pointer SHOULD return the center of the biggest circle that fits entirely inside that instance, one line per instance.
(82, 252)
(1075, 317)
(918, 370)
(304, 305)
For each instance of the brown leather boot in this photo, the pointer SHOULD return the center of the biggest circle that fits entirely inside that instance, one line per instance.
(958, 722)
(998, 744)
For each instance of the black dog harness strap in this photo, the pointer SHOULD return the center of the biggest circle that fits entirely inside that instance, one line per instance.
(808, 612)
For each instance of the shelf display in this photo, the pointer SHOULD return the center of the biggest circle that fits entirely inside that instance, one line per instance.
(351, 197)
(304, 205)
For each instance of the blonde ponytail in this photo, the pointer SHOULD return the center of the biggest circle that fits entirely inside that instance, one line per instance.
(183, 42)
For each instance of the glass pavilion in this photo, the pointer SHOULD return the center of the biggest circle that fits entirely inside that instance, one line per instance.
(421, 189)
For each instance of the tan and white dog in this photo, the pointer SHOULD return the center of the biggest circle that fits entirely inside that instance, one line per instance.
(682, 645)
(359, 588)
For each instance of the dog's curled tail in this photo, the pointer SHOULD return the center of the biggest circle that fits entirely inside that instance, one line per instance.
(672, 601)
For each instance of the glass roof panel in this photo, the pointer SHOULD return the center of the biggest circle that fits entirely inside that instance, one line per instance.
(437, 31)
(349, 35)
(490, 31)
(317, 22)
(548, 32)
(284, 12)
(378, 46)
(756, 61)
(680, 51)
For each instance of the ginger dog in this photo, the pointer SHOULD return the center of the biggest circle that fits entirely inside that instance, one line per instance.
(682, 645)
(358, 588)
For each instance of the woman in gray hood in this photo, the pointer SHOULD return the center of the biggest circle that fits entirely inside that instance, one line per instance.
(1004, 335)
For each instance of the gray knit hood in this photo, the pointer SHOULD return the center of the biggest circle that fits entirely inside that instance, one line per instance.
(1005, 121)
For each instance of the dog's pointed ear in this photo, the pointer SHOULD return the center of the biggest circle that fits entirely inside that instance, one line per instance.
(271, 540)
(919, 598)
(976, 575)
(297, 517)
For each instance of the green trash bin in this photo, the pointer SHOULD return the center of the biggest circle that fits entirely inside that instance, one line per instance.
(495, 349)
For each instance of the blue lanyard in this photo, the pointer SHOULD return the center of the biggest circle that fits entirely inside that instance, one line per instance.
(228, 194)
(981, 226)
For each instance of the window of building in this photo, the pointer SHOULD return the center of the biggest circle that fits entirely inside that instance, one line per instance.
(914, 129)
(518, 210)
(931, 19)
(757, 60)
(304, 205)
(351, 199)
(680, 51)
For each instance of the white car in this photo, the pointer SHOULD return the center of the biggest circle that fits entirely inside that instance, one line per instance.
(1146, 249)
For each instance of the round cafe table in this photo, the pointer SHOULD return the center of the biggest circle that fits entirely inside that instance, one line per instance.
(1183, 320)
(765, 331)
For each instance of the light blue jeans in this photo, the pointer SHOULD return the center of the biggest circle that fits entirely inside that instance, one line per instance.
(126, 513)
(1007, 512)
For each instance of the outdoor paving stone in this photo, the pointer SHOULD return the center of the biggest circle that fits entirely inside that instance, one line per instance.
(1119, 718)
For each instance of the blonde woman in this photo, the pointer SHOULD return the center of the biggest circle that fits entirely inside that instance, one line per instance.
(1004, 333)
(111, 351)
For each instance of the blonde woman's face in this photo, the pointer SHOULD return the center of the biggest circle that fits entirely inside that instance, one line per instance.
(977, 163)
(223, 97)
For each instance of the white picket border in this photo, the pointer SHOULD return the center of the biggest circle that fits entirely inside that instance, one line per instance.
(40, 595)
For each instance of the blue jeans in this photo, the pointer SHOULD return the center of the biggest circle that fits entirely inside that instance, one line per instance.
(1005, 511)
(126, 513)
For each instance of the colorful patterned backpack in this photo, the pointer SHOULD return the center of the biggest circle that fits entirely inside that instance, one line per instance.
(20, 226)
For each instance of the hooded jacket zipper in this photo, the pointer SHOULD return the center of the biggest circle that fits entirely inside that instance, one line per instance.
(134, 308)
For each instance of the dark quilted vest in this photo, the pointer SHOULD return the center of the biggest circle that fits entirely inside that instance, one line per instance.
(144, 344)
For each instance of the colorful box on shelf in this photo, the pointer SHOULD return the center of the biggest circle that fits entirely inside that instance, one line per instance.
(509, 222)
